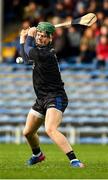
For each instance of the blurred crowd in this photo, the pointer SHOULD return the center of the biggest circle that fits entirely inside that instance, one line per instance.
(77, 44)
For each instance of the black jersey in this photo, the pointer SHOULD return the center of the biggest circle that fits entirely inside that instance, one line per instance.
(46, 74)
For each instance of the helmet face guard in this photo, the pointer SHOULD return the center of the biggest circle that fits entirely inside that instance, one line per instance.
(46, 27)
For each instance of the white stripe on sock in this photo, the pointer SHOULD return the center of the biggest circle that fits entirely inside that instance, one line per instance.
(74, 160)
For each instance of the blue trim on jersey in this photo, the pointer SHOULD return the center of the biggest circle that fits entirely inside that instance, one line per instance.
(59, 103)
(23, 54)
(28, 44)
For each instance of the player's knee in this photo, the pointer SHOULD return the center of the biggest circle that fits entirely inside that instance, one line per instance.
(49, 130)
(26, 133)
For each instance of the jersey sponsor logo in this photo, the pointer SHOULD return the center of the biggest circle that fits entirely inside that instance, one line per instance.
(33, 66)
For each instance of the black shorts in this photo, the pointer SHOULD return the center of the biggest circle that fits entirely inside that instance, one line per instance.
(59, 102)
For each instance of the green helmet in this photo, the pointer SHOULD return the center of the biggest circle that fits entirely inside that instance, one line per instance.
(46, 27)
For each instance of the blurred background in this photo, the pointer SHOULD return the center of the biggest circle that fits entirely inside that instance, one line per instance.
(83, 57)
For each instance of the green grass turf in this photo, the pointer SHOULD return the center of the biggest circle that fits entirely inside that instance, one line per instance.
(56, 165)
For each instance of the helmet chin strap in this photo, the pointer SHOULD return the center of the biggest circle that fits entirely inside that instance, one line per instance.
(41, 45)
(51, 38)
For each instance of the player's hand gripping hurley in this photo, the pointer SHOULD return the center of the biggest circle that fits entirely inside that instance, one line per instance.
(86, 20)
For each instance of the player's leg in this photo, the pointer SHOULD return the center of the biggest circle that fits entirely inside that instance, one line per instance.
(34, 121)
(52, 121)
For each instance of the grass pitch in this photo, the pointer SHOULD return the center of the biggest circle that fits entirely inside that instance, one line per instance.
(56, 165)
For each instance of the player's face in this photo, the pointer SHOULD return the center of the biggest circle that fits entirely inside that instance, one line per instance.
(42, 39)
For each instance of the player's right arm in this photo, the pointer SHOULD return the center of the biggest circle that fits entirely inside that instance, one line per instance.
(31, 52)
(23, 36)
